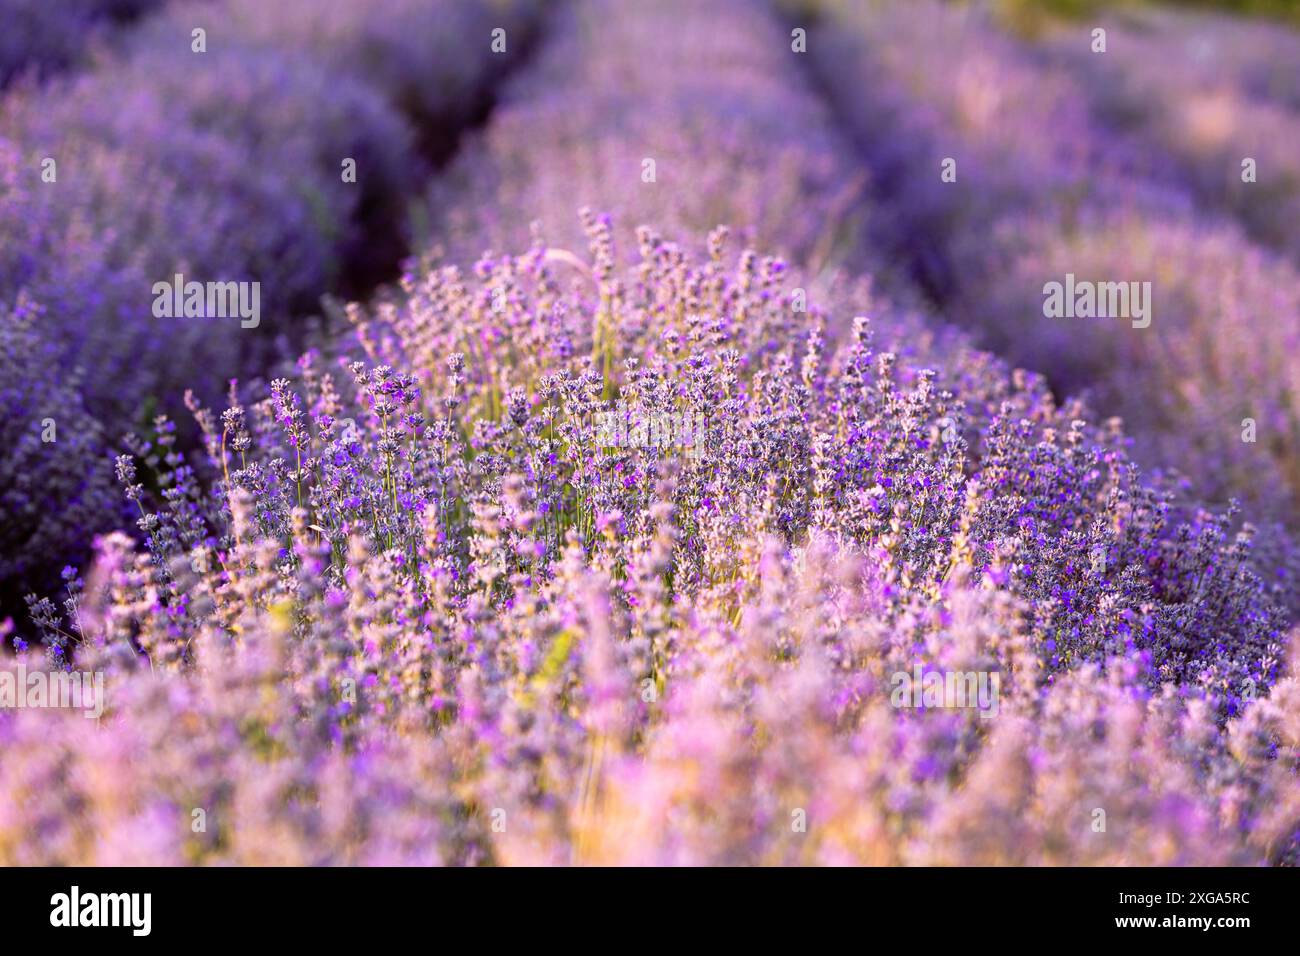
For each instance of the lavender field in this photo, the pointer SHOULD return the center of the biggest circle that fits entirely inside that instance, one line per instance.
(648, 432)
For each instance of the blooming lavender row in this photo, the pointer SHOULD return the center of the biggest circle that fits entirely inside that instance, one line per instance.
(220, 157)
(1205, 97)
(455, 604)
(437, 62)
(41, 37)
(1044, 190)
(680, 114)
(1207, 50)
(414, 610)
(947, 85)
(54, 479)
(1211, 387)
(224, 163)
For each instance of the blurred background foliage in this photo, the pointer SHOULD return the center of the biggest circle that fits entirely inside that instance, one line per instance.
(1031, 14)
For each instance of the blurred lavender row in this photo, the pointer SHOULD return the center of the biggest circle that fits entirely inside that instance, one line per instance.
(1047, 186)
(42, 37)
(222, 166)
(1204, 93)
(707, 123)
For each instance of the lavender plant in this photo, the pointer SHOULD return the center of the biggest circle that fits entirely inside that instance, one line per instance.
(523, 646)
(54, 481)
(437, 63)
(1220, 405)
(42, 38)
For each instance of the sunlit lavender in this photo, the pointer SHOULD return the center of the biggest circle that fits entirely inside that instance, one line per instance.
(651, 451)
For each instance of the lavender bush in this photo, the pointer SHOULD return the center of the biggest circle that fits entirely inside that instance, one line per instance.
(42, 37)
(1221, 404)
(243, 160)
(433, 61)
(945, 83)
(519, 644)
(220, 207)
(54, 483)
